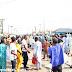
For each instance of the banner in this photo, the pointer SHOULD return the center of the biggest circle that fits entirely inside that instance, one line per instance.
(0, 26)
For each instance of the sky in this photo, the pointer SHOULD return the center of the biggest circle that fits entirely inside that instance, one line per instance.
(24, 15)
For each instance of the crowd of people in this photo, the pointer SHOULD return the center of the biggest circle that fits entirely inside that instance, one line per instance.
(16, 50)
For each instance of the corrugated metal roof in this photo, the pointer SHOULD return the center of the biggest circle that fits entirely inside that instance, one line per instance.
(63, 30)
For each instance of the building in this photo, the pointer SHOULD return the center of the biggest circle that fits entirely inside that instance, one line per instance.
(63, 31)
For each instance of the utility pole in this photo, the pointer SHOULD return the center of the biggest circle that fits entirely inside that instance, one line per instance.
(11, 29)
(32, 31)
(2, 23)
(14, 30)
(35, 28)
(8, 29)
(44, 25)
(40, 27)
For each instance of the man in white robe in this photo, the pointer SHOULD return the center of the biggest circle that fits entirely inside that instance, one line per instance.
(69, 35)
(37, 52)
(66, 44)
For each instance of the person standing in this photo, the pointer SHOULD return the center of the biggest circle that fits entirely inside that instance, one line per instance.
(13, 51)
(33, 41)
(3, 48)
(43, 39)
(37, 52)
(24, 51)
(8, 38)
(40, 39)
(19, 60)
(45, 46)
(69, 35)
(70, 41)
(57, 57)
(66, 45)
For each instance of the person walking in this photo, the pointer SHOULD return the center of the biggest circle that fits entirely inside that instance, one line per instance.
(24, 51)
(13, 51)
(37, 52)
(66, 45)
(3, 48)
(45, 46)
(19, 60)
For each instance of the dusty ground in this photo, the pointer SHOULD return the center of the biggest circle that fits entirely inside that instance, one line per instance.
(44, 63)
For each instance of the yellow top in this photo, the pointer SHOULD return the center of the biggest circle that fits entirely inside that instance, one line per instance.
(20, 56)
(18, 47)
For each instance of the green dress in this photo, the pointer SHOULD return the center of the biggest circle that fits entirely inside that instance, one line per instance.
(3, 48)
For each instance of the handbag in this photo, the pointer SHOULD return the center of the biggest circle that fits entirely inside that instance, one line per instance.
(34, 60)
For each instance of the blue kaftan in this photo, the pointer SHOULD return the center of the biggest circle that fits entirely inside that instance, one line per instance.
(56, 53)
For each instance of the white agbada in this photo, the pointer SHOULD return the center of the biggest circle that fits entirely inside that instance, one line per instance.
(37, 50)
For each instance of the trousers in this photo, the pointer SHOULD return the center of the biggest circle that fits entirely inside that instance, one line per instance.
(13, 65)
(38, 65)
(57, 68)
(19, 62)
(25, 58)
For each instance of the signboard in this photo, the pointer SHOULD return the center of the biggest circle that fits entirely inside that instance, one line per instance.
(0, 26)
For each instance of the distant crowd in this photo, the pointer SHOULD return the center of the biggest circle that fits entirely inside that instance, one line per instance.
(16, 50)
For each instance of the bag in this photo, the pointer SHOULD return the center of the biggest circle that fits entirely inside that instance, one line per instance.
(34, 60)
